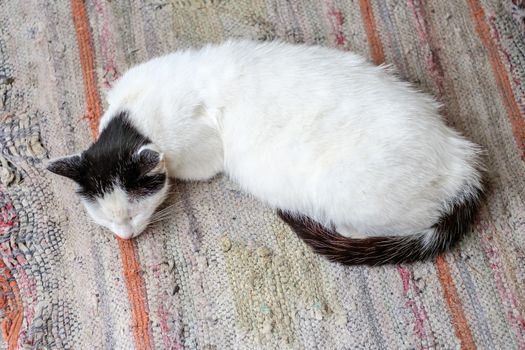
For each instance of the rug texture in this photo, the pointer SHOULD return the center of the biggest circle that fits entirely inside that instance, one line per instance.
(224, 272)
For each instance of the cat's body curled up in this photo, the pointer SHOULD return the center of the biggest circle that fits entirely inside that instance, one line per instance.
(357, 162)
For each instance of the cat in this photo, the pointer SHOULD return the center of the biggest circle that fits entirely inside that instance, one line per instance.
(357, 162)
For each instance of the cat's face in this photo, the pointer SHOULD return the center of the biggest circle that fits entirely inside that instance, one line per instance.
(121, 179)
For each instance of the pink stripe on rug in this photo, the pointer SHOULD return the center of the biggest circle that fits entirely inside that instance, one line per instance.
(432, 61)
(336, 19)
(110, 72)
(510, 305)
(419, 312)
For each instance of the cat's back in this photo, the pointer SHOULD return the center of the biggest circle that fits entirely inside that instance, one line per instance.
(303, 82)
(248, 68)
(327, 126)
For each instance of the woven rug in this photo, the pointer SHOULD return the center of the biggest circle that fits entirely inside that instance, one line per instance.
(224, 272)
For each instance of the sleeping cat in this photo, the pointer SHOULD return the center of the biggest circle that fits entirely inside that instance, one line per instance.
(358, 163)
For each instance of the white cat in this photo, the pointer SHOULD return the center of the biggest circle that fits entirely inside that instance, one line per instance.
(336, 144)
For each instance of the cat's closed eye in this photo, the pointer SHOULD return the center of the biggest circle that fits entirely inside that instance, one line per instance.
(146, 185)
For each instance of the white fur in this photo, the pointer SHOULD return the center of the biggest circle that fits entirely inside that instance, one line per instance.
(124, 217)
(309, 130)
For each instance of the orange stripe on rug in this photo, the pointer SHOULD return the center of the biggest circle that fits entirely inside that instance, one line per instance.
(374, 41)
(500, 73)
(459, 320)
(10, 300)
(11, 305)
(461, 326)
(93, 104)
(130, 263)
(136, 294)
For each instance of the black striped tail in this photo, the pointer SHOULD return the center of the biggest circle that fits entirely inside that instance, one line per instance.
(442, 236)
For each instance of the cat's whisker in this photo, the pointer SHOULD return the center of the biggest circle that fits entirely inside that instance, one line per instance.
(179, 202)
(169, 208)
(168, 211)
(155, 220)
(162, 217)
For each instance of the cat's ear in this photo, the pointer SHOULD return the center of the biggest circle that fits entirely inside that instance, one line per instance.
(67, 166)
(150, 160)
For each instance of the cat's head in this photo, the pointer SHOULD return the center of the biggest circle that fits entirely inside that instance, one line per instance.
(121, 178)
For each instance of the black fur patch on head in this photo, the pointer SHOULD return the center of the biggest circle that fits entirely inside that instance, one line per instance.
(113, 160)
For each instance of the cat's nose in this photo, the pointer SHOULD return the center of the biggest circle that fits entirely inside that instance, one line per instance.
(123, 231)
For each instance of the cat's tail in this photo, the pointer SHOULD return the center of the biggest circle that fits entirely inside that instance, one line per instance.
(450, 228)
